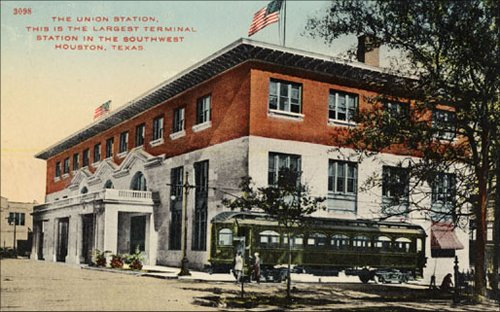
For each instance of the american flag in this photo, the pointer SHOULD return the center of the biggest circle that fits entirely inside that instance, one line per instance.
(102, 109)
(265, 16)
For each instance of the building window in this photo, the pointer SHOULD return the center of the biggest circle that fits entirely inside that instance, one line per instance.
(342, 186)
(58, 169)
(178, 120)
(75, 161)
(444, 123)
(203, 110)
(85, 157)
(97, 152)
(342, 177)
(109, 147)
(395, 189)
(109, 185)
(342, 106)
(285, 96)
(277, 162)
(138, 182)
(158, 128)
(443, 194)
(201, 206)
(397, 109)
(17, 218)
(66, 165)
(84, 190)
(139, 135)
(176, 181)
(123, 142)
(225, 237)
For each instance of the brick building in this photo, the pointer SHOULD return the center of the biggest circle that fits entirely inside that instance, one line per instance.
(247, 109)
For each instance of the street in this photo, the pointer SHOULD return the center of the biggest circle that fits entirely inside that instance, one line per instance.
(38, 285)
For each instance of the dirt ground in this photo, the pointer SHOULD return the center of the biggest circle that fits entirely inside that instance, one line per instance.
(38, 285)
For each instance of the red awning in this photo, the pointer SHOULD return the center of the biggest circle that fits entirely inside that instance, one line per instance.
(443, 236)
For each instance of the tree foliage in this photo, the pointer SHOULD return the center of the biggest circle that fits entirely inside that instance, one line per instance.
(449, 53)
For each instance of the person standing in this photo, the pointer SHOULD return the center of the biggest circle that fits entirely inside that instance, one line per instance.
(238, 266)
(256, 267)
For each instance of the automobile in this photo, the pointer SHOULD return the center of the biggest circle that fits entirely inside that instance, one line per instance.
(391, 276)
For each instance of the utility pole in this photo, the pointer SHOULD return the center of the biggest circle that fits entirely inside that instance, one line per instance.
(184, 262)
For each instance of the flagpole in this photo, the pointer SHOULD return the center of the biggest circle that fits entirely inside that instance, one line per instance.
(284, 22)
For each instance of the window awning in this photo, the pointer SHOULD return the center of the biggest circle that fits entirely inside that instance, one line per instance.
(443, 237)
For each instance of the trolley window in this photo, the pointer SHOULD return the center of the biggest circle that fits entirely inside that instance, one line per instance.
(225, 237)
(316, 239)
(340, 241)
(269, 238)
(296, 240)
(402, 244)
(361, 241)
(383, 242)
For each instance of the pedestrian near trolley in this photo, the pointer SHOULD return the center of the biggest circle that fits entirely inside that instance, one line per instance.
(256, 267)
(447, 283)
(238, 266)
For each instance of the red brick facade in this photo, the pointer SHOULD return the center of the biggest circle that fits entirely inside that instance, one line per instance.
(239, 107)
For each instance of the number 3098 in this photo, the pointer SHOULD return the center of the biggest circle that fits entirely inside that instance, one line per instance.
(22, 11)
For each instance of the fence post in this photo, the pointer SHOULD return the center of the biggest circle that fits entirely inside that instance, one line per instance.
(456, 298)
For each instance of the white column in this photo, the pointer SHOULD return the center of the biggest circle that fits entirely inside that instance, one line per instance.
(110, 229)
(152, 237)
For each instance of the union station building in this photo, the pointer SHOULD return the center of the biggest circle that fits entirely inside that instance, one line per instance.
(246, 110)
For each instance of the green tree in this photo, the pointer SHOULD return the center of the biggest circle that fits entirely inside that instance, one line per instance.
(449, 56)
(288, 201)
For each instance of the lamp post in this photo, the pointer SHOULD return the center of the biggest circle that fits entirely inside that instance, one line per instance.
(184, 262)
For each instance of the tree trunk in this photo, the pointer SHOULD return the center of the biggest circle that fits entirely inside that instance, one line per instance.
(496, 227)
(479, 265)
(289, 279)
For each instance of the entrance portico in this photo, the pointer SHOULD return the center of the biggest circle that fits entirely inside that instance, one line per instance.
(109, 220)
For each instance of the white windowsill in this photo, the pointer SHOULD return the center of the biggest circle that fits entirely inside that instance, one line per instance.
(336, 122)
(156, 142)
(202, 126)
(57, 179)
(285, 115)
(178, 134)
(65, 175)
(122, 154)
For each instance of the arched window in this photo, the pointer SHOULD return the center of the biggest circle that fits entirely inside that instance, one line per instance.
(109, 185)
(316, 239)
(361, 241)
(383, 242)
(225, 237)
(269, 238)
(402, 244)
(138, 182)
(84, 190)
(340, 241)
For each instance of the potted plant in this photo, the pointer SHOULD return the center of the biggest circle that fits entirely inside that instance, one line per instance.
(134, 260)
(99, 258)
(116, 261)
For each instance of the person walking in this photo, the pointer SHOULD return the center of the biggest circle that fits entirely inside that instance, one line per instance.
(256, 267)
(238, 266)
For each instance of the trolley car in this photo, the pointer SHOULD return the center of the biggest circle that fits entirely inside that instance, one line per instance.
(322, 245)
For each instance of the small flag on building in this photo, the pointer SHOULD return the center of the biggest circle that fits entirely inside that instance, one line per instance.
(265, 16)
(102, 109)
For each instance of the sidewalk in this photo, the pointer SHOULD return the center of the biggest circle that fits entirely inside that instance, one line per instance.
(166, 272)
